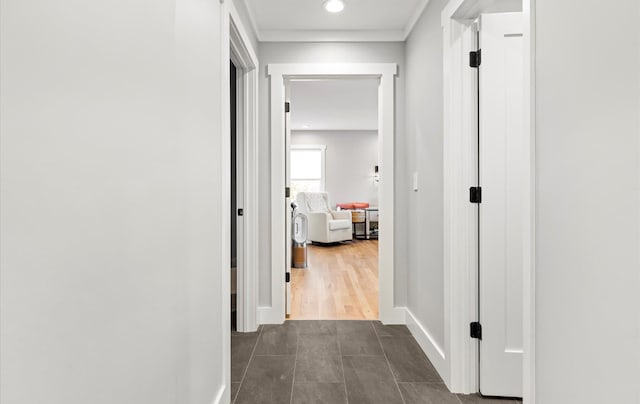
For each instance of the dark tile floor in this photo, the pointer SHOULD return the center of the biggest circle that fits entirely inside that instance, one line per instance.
(336, 362)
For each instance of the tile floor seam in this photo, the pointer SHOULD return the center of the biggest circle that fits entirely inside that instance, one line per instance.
(246, 369)
(295, 363)
(344, 377)
(425, 358)
(388, 363)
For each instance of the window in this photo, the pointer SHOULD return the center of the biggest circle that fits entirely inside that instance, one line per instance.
(307, 169)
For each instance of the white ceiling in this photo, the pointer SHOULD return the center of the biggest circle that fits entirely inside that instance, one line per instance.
(307, 20)
(337, 105)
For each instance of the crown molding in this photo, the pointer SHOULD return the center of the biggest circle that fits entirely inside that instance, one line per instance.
(415, 17)
(335, 35)
(339, 132)
(252, 20)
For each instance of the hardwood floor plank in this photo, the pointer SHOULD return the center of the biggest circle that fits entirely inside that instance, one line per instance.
(341, 283)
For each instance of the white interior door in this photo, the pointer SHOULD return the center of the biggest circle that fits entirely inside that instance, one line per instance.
(502, 178)
(288, 244)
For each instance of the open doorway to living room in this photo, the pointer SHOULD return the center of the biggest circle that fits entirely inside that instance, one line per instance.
(333, 155)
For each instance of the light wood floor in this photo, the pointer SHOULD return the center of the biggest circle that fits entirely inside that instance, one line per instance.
(341, 283)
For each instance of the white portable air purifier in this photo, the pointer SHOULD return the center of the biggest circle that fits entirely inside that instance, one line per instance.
(299, 232)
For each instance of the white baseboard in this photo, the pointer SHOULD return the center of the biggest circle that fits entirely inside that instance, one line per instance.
(222, 397)
(267, 315)
(434, 352)
(397, 315)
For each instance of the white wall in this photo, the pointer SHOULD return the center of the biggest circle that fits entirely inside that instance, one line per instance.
(339, 104)
(425, 281)
(587, 196)
(243, 13)
(350, 162)
(326, 53)
(110, 202)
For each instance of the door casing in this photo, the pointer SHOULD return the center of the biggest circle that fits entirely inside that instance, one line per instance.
(244, 57)
(386, 72)
(460, 220)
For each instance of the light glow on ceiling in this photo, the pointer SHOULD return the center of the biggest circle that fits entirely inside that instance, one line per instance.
(334, 6)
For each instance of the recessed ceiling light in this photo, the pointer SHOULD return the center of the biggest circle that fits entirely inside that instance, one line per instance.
(334, 6)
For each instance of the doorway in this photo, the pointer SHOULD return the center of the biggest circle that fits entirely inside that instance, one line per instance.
(332, 154)
(242, 169)
(235, 216)
(239, 103)
(488, 196)
(280, 205)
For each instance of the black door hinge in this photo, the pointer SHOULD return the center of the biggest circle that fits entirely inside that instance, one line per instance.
(287, 277)
(287, 107)
(475, 58)
(476, 330)
(475, 195)
(240, 212)
(287, 192)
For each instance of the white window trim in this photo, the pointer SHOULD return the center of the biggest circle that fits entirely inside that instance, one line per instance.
(323, 168)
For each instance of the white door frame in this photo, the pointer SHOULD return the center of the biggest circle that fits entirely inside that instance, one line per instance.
(235, 44)
(389, 314)
(460, 217)
(237, 48)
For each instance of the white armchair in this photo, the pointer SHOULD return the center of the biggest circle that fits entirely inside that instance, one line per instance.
(325, 225)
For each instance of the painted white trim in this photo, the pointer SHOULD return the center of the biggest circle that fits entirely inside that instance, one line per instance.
(529, 278)
(252, 19)
(241, 193)
(269, 315)
(332, 70)
(429, 345)
(277, 189)
(221, 395)
(320, 147)
(386, 72)
(397, 315)
(225, 203)
(241, 43)
(399, 35)
(460, 218)
(246, 60)
(386, 203)
(415, 17)
(336, 131)
(332, 35)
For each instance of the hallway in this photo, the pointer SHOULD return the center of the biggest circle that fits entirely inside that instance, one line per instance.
(334, 362)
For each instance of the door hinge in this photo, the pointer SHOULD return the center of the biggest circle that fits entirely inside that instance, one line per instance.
(287, 107)
(287, 192)
(287, 277)
(475, 58)
(475, 195)
(476, 330)
(240, 212)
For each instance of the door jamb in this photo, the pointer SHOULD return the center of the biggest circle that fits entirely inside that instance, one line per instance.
(234, 39)
(241, 52)
(460, 236)
(389, 314)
